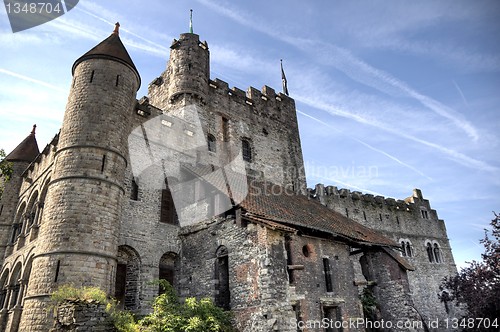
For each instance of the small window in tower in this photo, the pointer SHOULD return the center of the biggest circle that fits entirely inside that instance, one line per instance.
(92, 76)
(117, 80)
(346, 212)
(212, 144)
(246, 150)
(364, 215)
(380, 216)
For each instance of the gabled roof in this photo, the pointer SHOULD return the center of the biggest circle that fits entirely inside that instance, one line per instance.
(110, 48)
(272, 202)
(27, 150)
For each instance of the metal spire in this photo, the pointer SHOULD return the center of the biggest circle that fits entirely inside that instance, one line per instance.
(191, 22)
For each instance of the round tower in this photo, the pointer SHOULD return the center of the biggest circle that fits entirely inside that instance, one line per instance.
(188, 72)
(78, 239)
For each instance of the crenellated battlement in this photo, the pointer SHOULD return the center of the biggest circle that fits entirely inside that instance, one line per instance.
(253, 96)
(410, 204)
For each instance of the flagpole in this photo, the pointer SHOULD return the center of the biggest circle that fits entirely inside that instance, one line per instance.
(191, 21)
(283, 79)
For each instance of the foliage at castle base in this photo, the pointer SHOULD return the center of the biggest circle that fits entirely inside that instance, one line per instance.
(5, 171)
(170, 315)
(478, 286)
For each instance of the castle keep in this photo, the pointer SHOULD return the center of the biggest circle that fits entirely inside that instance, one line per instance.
(203, 185)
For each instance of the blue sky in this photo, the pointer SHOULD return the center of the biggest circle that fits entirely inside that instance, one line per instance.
(391, 95)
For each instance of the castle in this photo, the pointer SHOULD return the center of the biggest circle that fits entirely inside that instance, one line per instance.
(204, 186)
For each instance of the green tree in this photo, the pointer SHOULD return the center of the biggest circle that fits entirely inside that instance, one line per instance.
(170, 315)
(5, 171)
(477, 287)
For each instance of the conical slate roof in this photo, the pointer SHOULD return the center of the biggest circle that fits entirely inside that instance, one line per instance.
(110, 48)
(27, 150)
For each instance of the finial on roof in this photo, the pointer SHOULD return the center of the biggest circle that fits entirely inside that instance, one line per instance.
(191, 22)
(117, 28)
(34, 129)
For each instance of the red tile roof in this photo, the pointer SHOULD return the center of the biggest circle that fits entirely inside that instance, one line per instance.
(272, 202)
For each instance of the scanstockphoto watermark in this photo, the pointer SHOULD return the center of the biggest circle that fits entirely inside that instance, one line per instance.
(354, 323)
(26, 14)
(353, 170)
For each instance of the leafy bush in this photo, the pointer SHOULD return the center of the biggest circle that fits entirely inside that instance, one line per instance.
(169, 315)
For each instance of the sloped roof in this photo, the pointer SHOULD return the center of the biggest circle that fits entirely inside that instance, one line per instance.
(269, 202)
(272, 202)
(110, 48)
(27, 150)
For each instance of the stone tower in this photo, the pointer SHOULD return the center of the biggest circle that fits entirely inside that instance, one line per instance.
(187, 74)
(80, 226)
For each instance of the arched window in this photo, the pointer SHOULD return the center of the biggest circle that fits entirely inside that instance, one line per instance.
(222, 295)
(212, 144)
(3, 289)
(168, 266)
(18, 222)
(15, 286)
(32, 210)
(409, 253)
(246, 150)
(127, 277)
(430, 253)
(437, 253)
(406, 250)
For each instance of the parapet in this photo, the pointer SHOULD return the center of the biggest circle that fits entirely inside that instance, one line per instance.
(260, 99)
(320, 192)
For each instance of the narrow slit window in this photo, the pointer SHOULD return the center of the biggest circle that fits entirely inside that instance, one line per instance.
(103, 163)
(92, 76)
(117, 80)
(328, 275)
(58, 267)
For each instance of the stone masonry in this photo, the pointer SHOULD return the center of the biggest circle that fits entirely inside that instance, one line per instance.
(284, 258)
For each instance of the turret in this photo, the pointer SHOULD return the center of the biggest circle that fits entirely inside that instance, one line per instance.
(188, 72)
(19, 158)
(80, 225)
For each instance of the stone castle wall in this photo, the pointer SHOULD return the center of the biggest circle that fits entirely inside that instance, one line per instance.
(413, 221)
